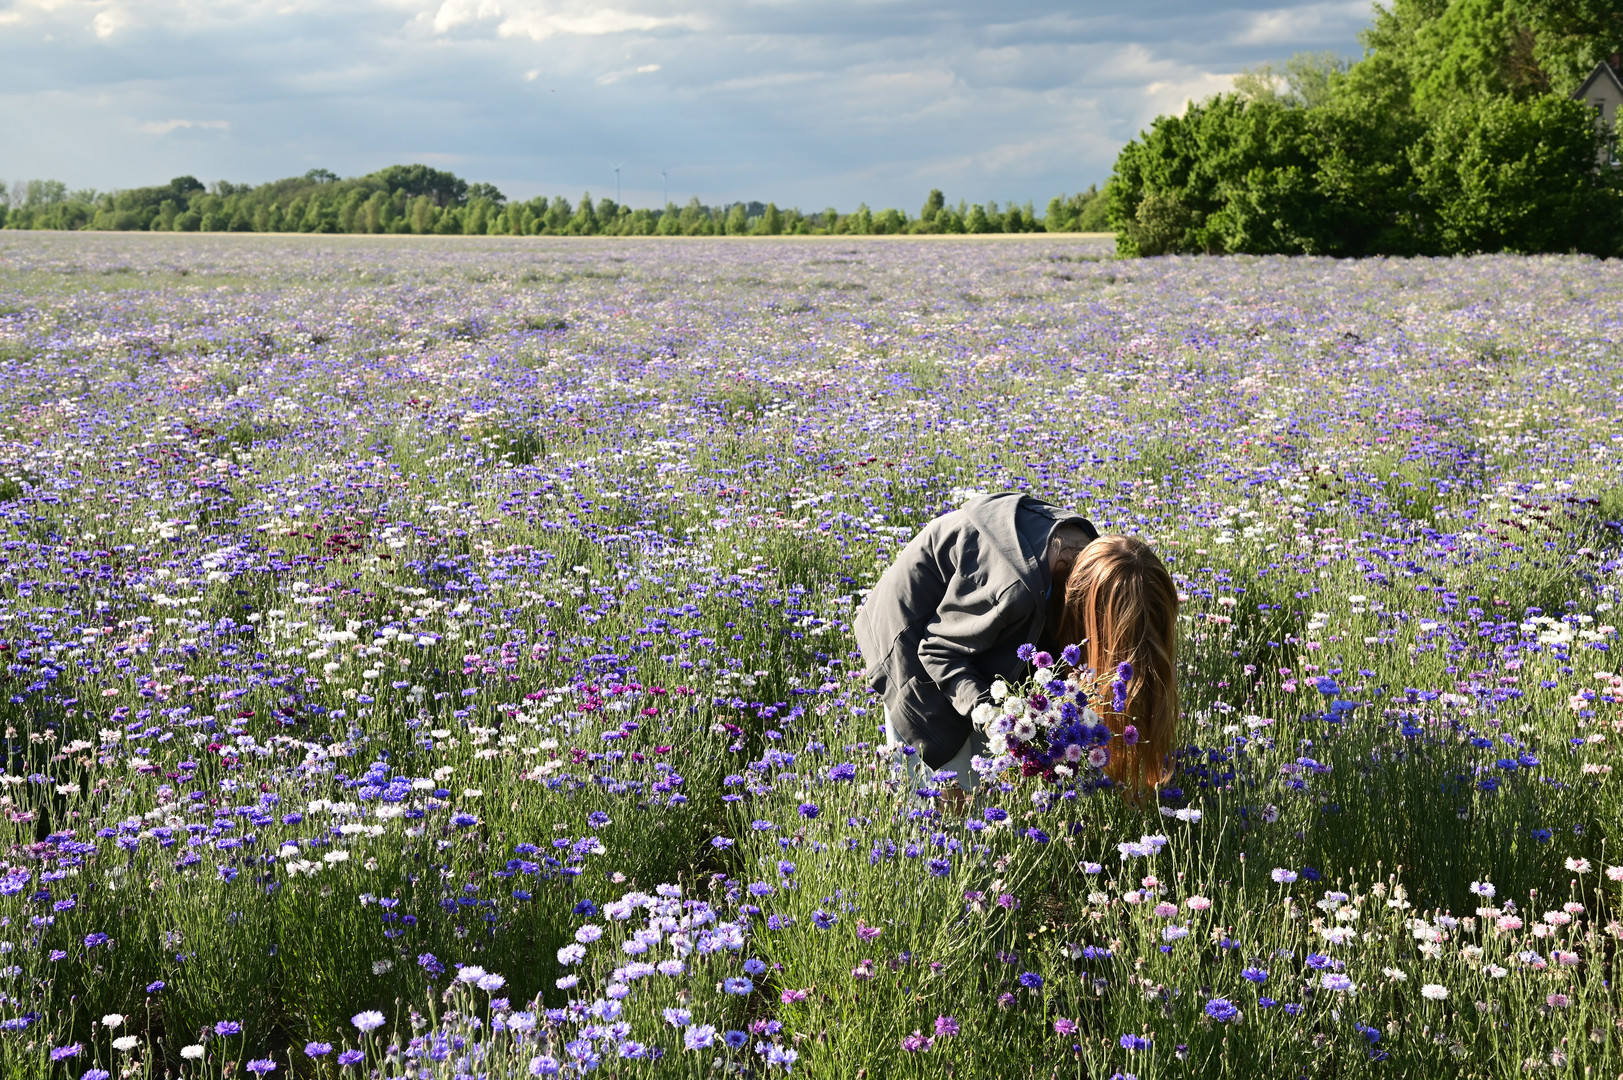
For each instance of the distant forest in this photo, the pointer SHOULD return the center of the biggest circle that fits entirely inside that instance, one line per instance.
(421, 200)
(1455, 132)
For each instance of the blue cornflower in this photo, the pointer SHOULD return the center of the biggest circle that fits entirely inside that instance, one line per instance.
(1071, 654)
(1134, 1042)
(824, 919)
(1254, 974)
(1031, 980)
(317, 1049)
(843, 771)
(1222, 1010)
(1026, 652)
(809, 810)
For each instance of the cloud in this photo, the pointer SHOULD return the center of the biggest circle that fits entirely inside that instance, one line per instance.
(801, 102)
(1283, 26)
(540, 21)
(165, 127)
(616, 76)
(109, 22)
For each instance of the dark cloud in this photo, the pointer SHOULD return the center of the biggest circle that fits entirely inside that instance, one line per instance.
(805, 103)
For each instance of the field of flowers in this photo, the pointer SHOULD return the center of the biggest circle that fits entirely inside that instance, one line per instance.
(433, 658)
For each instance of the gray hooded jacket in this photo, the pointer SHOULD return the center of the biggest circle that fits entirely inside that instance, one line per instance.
(947, 617)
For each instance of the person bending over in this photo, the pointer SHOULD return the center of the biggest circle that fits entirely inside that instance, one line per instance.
(949, 616)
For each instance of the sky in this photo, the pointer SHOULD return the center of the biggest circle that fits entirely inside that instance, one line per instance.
(808, 103)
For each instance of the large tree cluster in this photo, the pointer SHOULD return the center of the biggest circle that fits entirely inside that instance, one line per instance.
(1456, 132)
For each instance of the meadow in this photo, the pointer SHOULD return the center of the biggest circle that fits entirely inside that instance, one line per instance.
(432, 657)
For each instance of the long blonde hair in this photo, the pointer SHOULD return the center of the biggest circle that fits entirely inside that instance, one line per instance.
(1122, 607)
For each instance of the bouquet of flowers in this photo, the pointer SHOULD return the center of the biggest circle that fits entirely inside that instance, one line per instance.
(1047, 726)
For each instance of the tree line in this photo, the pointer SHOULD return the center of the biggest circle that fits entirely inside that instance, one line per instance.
(420, 200)
(1456, 132)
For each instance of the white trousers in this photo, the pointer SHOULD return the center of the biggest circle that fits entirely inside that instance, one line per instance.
(919, 774)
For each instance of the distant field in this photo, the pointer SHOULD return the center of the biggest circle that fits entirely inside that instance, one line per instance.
(461, 631)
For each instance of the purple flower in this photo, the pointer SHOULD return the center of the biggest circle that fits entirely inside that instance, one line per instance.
(823, 920)
(1222, 1010)
(228, 1027)
(917, 1043)
(1062, 1026)
(1134, 1042)
(1071, 654)
(737, 985)
(1031, 980)
(92, 940)
(63, 1053)
(351, 1057)
(96, 1074)
(699, 1037)
(430, 963)
(946, 1026)
(155, 987)
(809, 810)
(1043, 659)
(1254, 974)
(736, 1040)
(317, 1049)
(261, 1066)
(1026, 652)
(1129, 735)
(843, 771)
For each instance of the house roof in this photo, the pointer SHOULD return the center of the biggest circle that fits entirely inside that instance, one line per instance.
(1603, 71)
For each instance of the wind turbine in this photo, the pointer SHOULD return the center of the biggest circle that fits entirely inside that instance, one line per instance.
(666, 181)
(617, 184)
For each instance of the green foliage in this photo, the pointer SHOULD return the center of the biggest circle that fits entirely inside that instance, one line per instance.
(424, 201)
(1516, 176)
(1453, 134)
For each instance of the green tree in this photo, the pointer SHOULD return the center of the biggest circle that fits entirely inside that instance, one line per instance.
(1519, 176)
(584, 223)
(932, 206)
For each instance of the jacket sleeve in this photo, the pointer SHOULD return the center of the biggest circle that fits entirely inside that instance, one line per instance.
(970, 620)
